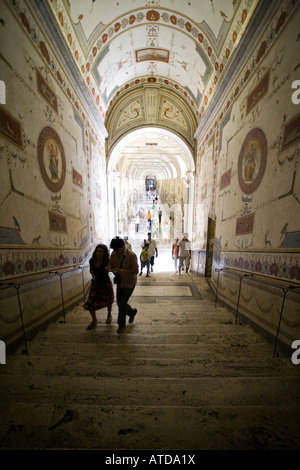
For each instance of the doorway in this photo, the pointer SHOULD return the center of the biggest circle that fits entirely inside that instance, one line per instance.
(150, 183)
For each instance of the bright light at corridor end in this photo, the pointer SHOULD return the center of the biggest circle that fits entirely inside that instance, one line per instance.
(168, 156)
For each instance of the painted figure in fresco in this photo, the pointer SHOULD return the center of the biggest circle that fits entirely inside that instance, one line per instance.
(53, 162)
(250, 163)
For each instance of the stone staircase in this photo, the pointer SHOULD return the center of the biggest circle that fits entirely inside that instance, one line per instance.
(182, 376)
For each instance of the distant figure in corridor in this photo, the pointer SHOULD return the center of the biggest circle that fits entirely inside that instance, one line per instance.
(175, 256)
(149, 220)
(101, 293)
(152, 249)
(127, 243)
(159, 215)
(137, 223)
(145, 259)
(184, 253)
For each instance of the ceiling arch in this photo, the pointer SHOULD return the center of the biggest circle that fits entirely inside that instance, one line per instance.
(154, 151)
(150, 103)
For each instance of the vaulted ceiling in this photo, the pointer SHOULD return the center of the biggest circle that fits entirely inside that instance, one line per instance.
(155, 63)
(186, 42)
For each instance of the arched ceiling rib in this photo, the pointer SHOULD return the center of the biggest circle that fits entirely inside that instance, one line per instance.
(146, 105)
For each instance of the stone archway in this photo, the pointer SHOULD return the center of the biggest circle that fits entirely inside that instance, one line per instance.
(160, 153)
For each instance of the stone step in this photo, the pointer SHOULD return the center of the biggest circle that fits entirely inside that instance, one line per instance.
(161, 367)
(224, 339)
(79, 426)
(148, 314)
(154, 332)
(152, 391)
(138, 348)
(145, 319)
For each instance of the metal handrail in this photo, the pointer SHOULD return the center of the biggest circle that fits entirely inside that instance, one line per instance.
(7, 283)
(285, 289)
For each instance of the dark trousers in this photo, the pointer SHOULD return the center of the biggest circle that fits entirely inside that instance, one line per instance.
(123, 295)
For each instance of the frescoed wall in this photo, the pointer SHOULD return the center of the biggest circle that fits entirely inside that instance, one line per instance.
(248, 180)
(52, 171)
(49, 171)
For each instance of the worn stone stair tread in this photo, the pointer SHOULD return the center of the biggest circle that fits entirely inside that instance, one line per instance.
(141, 330)
(235, 391)
(147, 367)
(77, 426)
(68, 330)
(143, 350)
(156, 339)
(147, 315)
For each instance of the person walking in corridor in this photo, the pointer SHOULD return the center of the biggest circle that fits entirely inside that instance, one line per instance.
(145, 259)
(184, 253)
(127, 243)
(123, 263)
(149, 220)
(101, 293)
(175, 251)
(152, 250)
(159, 215)
(137, 223)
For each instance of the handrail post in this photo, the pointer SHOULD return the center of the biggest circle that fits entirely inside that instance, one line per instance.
(217, 290)
(240, 288)
(17, 287)
(285, 290)
(82, 268)
(62, 294)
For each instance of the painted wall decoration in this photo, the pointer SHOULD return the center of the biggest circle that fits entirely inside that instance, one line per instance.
(252, 160)
(132, 112)
(46, 92)
(10, 236)
(291, 240)
(169, 111)
(57, 223)
(291, 133)
(244, 224)
(203, 192)
(98, 191)
(10, 128)
(225, 179)
(152, 54)
(77, 178)
(51, 158)
(258, 92)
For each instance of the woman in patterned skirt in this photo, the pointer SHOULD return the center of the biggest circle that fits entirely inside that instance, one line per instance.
(101, 293)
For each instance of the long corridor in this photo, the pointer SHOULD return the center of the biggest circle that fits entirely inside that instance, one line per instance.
(182, 376)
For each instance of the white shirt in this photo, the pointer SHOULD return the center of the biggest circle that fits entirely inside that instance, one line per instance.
(152, 246)
(184, 247)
